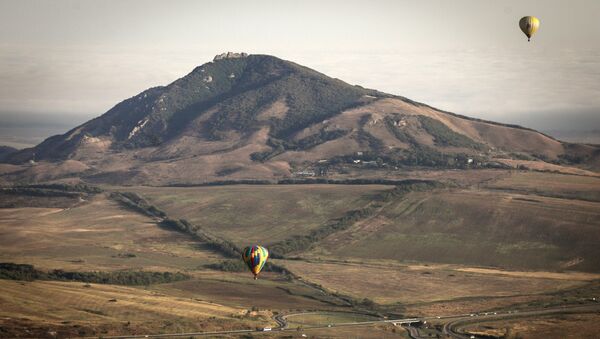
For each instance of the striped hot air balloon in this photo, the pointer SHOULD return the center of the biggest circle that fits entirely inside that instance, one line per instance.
(255, 257)
(529, 25)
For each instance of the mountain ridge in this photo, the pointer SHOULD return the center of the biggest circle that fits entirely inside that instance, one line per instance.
(274, 117)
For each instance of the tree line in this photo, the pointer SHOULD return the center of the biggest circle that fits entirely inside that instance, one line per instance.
(12, 271)
(222, 246)
(303, 242)
(299, 181)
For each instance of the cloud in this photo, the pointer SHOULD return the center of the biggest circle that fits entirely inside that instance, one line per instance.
(84, 80)
(496, 84)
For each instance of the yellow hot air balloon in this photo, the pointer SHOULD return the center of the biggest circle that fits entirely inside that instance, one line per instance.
(529, 25)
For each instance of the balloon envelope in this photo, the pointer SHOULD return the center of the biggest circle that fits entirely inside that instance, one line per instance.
(255, 257)
(529, 25)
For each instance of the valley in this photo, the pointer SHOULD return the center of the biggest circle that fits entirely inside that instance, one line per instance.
(421, 251)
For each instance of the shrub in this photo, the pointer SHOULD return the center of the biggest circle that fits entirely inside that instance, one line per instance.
(229, 266)
(13, 271)
(444, 136)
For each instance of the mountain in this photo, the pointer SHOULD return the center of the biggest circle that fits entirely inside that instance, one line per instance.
(260, 117)
(5, 151)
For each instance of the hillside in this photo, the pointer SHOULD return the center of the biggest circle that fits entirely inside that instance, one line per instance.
(477, 240)
(259, 117)
(516, 221)
(5, 151)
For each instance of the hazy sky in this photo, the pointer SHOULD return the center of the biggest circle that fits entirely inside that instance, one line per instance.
(77, 59)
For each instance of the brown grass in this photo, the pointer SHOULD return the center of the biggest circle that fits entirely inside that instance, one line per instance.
(469, 305)
(393, 283)
(91, 236)
(278, 110)
(572, 276)
(366, 331)
(270, 292)
(559, 327)
(571, 186)
(69, 307)
(326, 318)
(498, 136)
(476, 227)
(544, 166)
(262, 214)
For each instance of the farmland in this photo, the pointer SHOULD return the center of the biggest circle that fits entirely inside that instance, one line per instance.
(476, 227)
(98, 235)
(562, 326)
(264, 213)
(414, 284)
(102, 235)
(326, 318)
(550, 184)
(76, 309)
(530, 227)
(504, 241)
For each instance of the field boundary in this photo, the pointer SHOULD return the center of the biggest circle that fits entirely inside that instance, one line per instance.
(295, 243)
(222, 246)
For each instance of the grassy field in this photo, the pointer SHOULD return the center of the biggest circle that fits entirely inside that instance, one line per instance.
(370, 331)
(545, 221)
(491, 243)
(270, 292)
(580, 326)
(476, 227)
(97, 235)
(101, 235)
(326, 318)
(259, 214)
(553, 184)
(461, 226)
(72, 309)
(419, 284)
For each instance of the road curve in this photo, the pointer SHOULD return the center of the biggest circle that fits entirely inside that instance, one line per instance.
(449, 328)
(452, 328)
(413, 332)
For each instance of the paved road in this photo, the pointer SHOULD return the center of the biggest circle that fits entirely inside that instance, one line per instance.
(275, 329)
(413, 332)
(450, 328)
(281, 321)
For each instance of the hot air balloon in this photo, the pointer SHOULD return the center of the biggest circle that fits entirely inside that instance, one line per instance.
(255, 257)
(529, 25)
